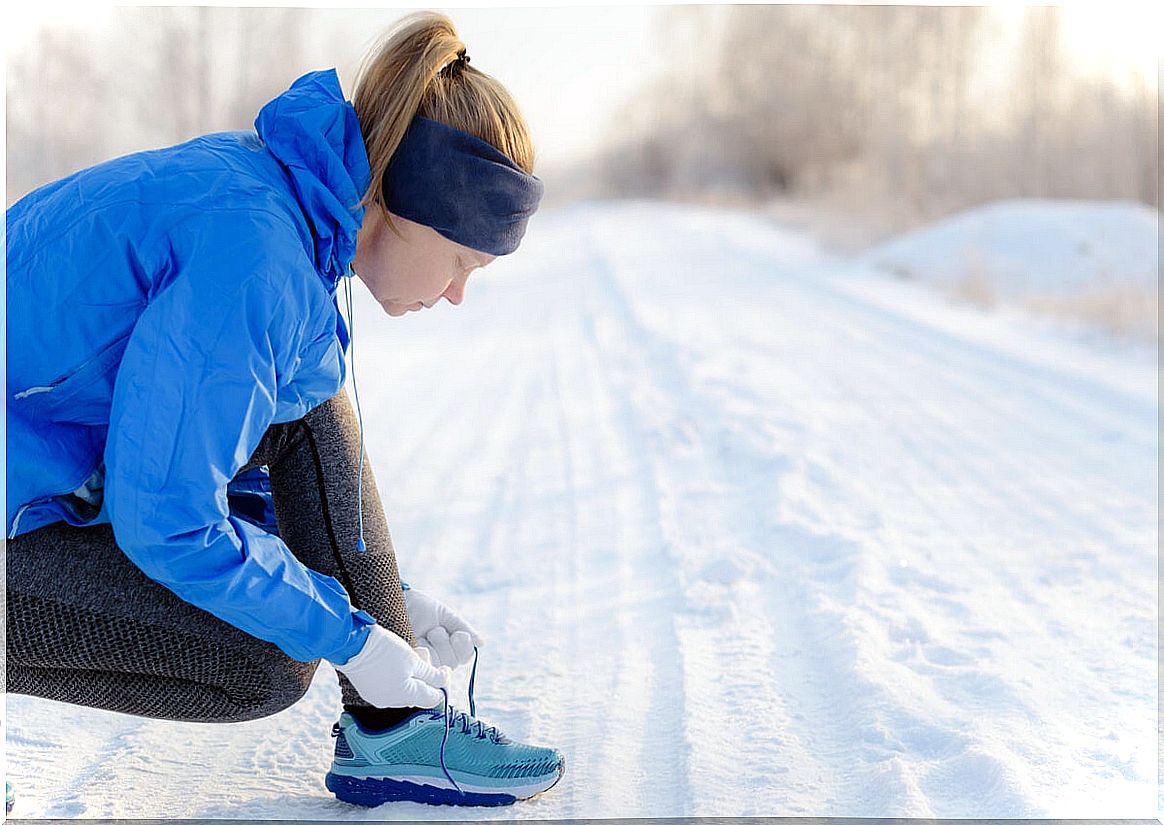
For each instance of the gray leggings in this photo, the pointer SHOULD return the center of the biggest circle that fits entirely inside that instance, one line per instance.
(86, 626)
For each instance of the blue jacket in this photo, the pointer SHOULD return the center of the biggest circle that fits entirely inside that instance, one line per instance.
(165, 308)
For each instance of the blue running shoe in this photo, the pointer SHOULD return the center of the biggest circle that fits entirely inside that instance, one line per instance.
(9, 797)
(441, 756)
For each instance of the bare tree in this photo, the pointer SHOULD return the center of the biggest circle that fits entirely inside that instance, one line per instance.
(887, 101)
(165, 75)
(54, 99)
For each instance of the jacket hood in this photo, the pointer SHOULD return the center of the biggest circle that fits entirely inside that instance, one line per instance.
(315, 135)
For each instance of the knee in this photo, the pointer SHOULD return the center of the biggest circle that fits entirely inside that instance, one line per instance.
(290, 680)
(286, 680)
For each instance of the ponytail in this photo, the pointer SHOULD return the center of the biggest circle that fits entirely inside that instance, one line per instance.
(420, 67)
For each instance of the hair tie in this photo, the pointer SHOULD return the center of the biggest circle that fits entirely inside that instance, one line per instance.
(457, 64)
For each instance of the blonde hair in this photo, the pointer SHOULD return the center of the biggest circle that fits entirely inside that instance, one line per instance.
(414, 70)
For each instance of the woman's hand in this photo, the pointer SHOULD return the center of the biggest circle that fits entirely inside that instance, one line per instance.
(388, 673)
(448, 638)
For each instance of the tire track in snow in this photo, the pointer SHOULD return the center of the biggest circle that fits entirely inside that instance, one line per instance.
(1053, 512)
(1039, 397)
(553, 563)
(790, 740)
(745, 732)
(840, 322)
(841, 325)
(886, 731)
(839, 668)
(636, 746)
(972, 430)
(959, 446)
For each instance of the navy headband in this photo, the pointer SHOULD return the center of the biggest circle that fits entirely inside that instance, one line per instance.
(461, 186)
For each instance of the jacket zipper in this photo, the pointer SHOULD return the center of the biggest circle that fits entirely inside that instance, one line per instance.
(20, 512)
(47, 498)
(57, 382)
(32, 391)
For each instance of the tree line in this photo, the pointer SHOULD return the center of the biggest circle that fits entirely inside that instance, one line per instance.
(889, 103)
(162, 76)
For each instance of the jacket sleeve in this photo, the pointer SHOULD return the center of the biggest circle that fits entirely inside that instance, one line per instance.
(194, 395)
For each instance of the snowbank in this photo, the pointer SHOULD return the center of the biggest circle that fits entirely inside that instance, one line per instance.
(1090, 261)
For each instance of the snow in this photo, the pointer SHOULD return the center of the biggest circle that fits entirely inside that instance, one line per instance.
(1090, 267)
(1033, 245)
(749, 529)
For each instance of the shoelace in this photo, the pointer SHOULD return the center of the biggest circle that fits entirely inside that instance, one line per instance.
(457, 715)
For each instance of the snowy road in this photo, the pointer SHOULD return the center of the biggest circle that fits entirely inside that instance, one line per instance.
(746, 532)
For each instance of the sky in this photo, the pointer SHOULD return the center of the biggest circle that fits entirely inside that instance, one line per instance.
(611, 51)
(595, 57)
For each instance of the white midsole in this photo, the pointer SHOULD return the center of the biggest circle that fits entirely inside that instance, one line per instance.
(442, 782)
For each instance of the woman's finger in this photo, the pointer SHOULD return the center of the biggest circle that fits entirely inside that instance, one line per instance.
(462, 644)
(437, 677)
(421, 690)
(438, 639)
(455, 623)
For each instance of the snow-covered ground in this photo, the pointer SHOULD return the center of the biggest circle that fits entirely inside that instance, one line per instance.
(749, 530)
(1026, 244)
(1095, 263)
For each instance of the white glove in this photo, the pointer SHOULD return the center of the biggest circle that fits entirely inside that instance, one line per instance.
(448, 638)
(388, 673)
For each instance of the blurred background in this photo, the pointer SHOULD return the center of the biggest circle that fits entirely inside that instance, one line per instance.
(929, 108)
(853, 122)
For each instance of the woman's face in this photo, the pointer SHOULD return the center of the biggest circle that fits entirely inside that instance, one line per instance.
(414, 271)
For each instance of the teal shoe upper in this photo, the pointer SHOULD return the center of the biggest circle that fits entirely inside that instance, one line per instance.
(413, 759)
(473, 751)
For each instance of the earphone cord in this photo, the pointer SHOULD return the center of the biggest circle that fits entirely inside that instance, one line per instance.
(360, 546)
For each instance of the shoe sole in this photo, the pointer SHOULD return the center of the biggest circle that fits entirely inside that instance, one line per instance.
(371, 792)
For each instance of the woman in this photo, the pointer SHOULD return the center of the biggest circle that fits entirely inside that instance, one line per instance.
(176, 362)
